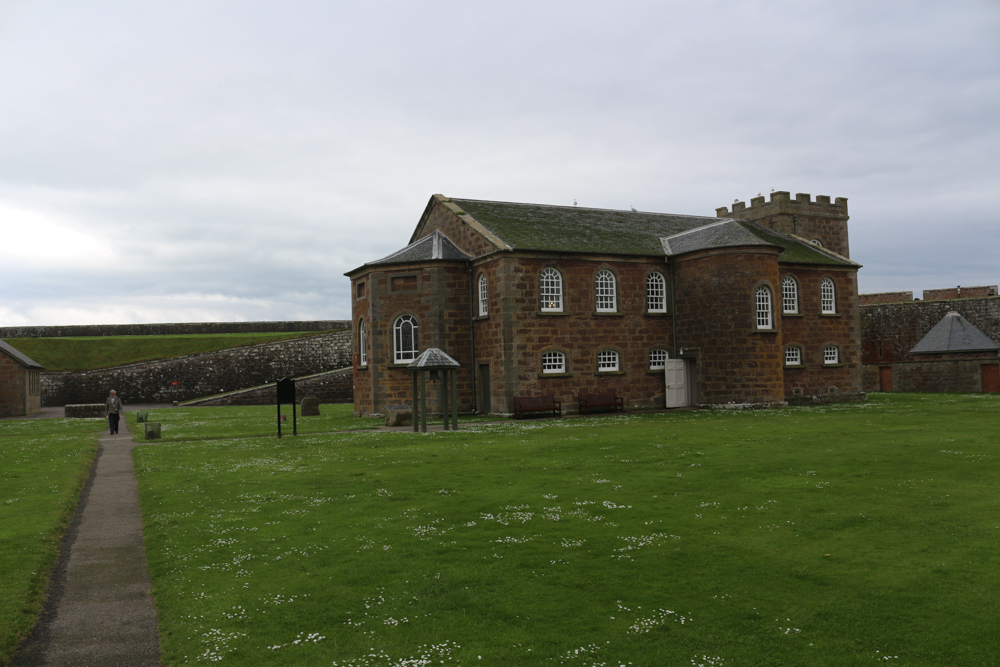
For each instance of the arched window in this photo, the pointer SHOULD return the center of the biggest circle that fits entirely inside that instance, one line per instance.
(831, 355)
(607, 361)
(789, 295)
(762, 303)
(793, 355)
(658, 359)
(405, 343)
(656, 293)
(553, 362)
(362, 344)
(550, 291)
(827, 297)
(605, 294)
(484, 296)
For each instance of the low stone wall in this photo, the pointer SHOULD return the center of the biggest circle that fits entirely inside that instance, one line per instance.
(86, 410)
(170, 329)
(331, 387)
(194, 376)
(932, 375)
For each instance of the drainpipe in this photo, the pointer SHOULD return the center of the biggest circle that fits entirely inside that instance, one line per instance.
(673, 308)
(472, 334)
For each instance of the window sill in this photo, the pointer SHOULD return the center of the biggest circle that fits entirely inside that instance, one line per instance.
(481, 317)
(794, 366)
(764, 331)
(655, 371)
(608, 313)
(830, 315)
(657, 314)
(363, 367)
(555, 375)
(833, 365)
(609, 373)
(551, 313)
(792, 315)
(401, 364)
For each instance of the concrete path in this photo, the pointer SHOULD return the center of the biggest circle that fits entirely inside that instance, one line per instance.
(100, 611)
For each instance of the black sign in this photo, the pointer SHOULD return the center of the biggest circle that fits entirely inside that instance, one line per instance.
(286, 391)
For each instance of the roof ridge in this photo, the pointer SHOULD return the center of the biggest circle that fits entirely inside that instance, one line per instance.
(584, 208)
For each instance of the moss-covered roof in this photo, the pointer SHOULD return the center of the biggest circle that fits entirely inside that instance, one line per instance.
(603, 231)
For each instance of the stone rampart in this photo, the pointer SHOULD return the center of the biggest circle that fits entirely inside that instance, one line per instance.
(332, 387)
(197, 375)
(169, 329)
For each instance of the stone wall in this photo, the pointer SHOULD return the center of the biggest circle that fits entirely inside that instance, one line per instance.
(170, 329)
(13, 381)
(331, 387)
(198, 375)
(889, 330)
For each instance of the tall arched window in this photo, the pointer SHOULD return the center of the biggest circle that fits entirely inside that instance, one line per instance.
(605, 294)
(550, 291)
(827, 297)
(656, 293)
(789, 295)
(762, 302)
(484, 296)
(362, 344)
(406, 346)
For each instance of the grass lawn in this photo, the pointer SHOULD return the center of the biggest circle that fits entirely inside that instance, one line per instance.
(838, 535)
(204, 423)
(87, 353)
(43, 465)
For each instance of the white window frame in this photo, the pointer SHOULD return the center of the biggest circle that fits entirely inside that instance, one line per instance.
(550, 290)
(362, 344)
(763, 313)
(831, 355)
(553, 362)
(658, 359)
(608, 361)
(656, 293)
(827, 296)
(401, 354)
(484, 296)
(793, 355)
(789, 295)
(605, 292)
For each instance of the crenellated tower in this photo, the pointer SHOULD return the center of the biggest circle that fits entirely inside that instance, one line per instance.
(821, 221)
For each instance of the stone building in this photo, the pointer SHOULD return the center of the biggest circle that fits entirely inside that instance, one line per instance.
(757, 306)
(944, 342)
(20, 383)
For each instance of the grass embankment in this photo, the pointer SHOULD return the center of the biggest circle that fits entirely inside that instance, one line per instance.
(43, 466)
(88, 353)
(809, 536)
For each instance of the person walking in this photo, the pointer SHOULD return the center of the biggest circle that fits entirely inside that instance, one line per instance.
(115, 407)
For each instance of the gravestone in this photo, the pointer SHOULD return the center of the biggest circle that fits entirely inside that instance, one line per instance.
(152, 430)
(310, 406)
(398, 415)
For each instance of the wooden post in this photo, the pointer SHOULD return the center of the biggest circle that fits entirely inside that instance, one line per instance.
(454, 399)
(416, 401)
(423, 401)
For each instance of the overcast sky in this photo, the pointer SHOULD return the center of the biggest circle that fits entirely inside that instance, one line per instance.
(219, 160)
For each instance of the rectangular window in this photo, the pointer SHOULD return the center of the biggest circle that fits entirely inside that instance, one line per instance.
(361, 290)
(607, 361)
(657, 360)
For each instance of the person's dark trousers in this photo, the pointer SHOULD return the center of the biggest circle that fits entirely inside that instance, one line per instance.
(113, 423)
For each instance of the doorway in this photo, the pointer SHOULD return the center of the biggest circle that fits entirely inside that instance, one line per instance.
(675, 374)
(885, 378)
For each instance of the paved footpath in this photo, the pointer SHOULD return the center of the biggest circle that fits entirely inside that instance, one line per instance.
(100, 612)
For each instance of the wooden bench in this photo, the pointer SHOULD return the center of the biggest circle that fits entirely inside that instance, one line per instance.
(523, 404)
(601, 399)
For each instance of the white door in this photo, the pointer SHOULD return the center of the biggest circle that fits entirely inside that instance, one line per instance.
(675, 373)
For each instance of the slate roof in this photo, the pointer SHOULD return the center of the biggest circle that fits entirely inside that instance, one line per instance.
(18, 356)
(954, 333)
(605, 231)
(433, 357)
(432, 246)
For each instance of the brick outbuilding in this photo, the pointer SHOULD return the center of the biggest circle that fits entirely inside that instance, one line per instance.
(20, 383)
(757, 306)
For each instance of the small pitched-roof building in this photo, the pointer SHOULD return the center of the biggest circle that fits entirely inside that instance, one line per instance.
(20, 383)
(757, 306)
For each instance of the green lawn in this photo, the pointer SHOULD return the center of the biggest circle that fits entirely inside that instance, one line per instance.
(43, 465)
(86, 353)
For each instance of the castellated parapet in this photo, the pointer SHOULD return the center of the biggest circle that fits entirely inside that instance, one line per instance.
(823, 222)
